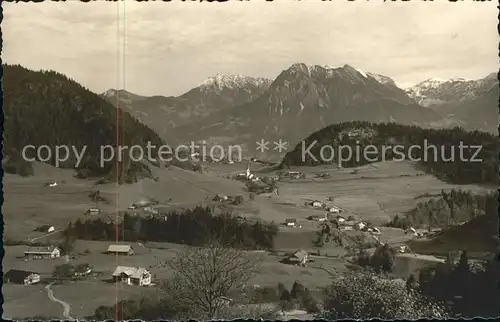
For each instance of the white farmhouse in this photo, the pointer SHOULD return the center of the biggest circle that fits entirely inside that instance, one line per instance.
(291, 222)
(42, 253)
(132, 275)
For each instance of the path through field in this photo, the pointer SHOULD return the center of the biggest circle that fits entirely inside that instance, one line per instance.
(66, 306)
(51, 233)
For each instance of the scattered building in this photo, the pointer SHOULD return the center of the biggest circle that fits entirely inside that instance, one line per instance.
(411, 231)
(93, 211)
(293, 175)
(323, 175)
(120, 250)
(247, 175)
(220, 198)
(142, 203)
(360, 225)
(51, 229)
(291, 222)
(317, 204)
(300, 257)
(340, 219)
(16, 276)
(42, 252)
(334, 209)
(132, 275)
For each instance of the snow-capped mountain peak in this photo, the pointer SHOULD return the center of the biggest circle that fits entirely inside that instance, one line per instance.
(436, 91)
(362, 72)
(221, 81)
(382, 79)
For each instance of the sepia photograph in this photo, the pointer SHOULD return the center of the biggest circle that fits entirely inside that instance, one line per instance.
(278, 160)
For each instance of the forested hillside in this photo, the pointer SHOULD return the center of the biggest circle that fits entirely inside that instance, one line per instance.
(47, 108)
(450, 209)
(444, 161)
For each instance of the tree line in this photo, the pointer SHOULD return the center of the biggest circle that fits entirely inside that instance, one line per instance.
(447, 142)
(449, 209)
(190, 227)
(469, 287)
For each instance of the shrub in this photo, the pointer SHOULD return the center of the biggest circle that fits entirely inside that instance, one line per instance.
(238, 200)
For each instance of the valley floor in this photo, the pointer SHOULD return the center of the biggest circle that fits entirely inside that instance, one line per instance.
(374, 193)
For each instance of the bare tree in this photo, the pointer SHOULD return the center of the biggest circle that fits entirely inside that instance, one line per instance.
(205, 276)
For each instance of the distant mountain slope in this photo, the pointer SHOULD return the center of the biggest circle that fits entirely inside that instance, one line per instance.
(471, 104)
(478, 113)
(216, 94)
(47, 108)
(433, 92)
(304, 99)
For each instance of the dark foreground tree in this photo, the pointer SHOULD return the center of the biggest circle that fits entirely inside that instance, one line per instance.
(204, 277)
(63, 271)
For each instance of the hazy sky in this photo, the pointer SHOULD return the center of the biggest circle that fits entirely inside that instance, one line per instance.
(172, 47)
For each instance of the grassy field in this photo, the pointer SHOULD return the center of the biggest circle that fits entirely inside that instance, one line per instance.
(374, 193)
(21, 302)
(77, 294)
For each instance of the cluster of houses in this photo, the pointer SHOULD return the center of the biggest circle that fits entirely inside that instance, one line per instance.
(420, 232)
(322, 205)
(356, 225)
(143, 203)
(129, 275)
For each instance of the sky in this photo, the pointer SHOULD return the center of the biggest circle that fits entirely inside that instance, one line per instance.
(167, 48)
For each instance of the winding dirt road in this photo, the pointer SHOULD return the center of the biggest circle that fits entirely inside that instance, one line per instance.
(66, 306)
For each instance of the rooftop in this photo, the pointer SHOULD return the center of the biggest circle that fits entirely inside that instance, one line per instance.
(133, 272)
(119, 248)
(16, 273)
(46, 249)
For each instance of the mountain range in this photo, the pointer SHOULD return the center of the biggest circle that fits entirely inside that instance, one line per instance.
(45, 107)
(302, 99)
(216, 94)
(472, 104)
